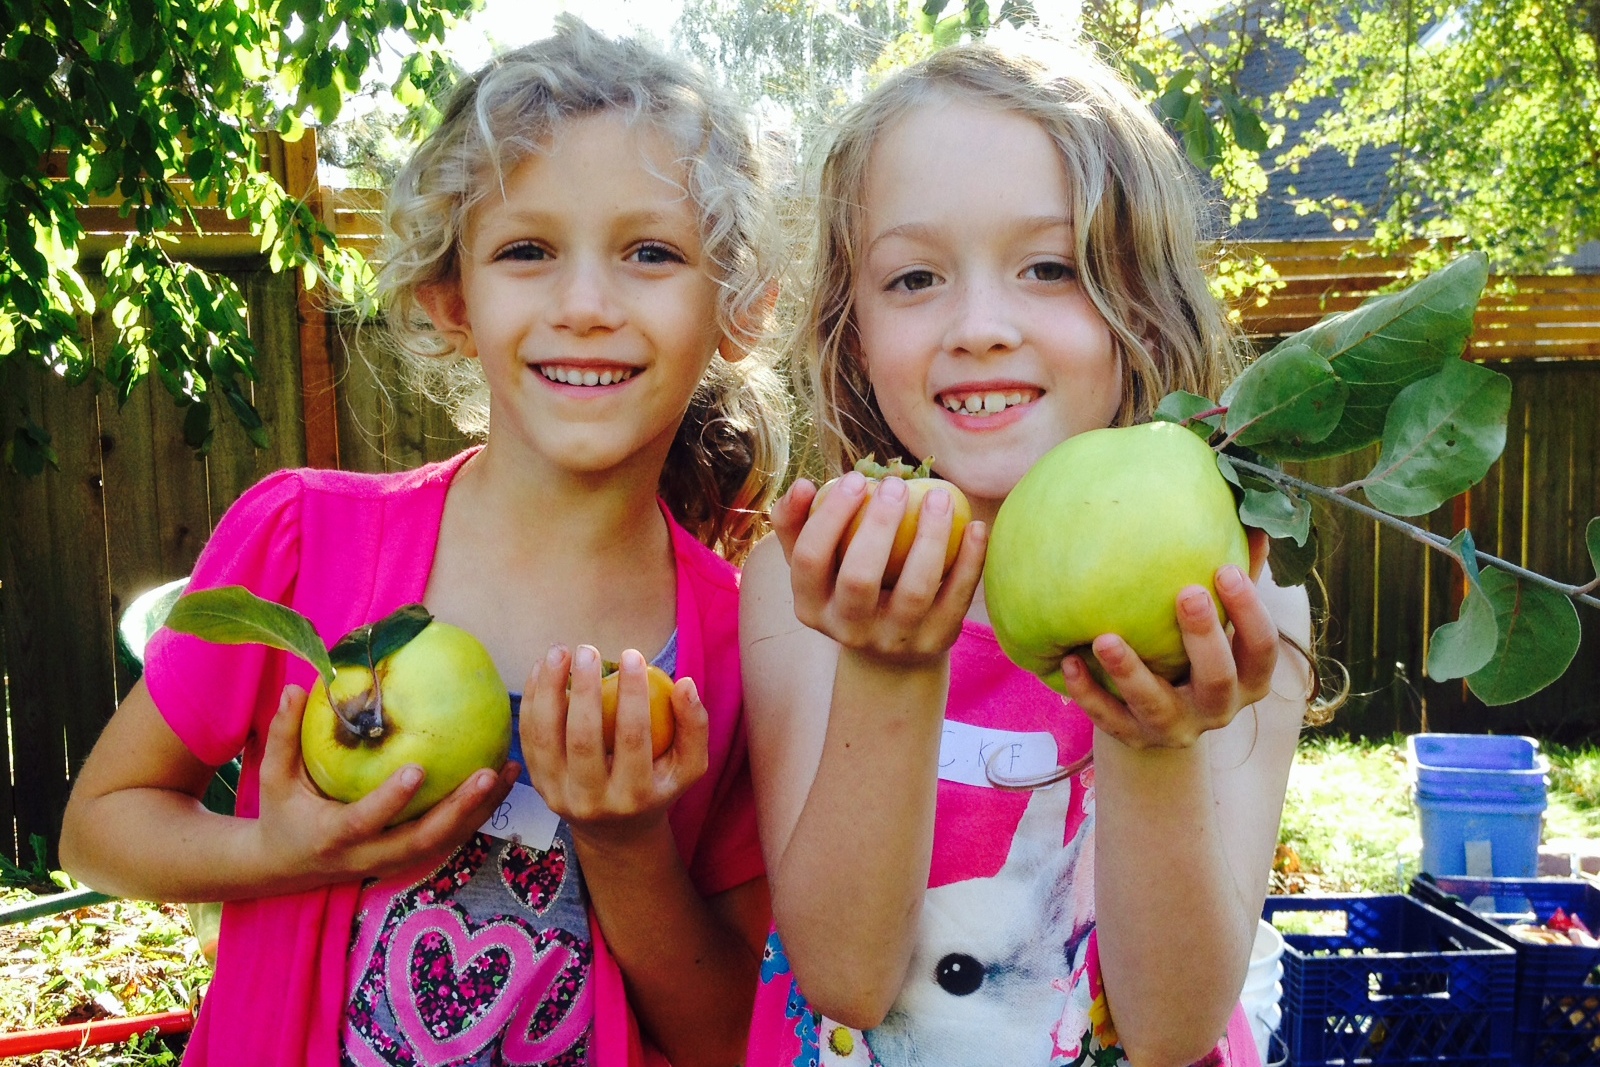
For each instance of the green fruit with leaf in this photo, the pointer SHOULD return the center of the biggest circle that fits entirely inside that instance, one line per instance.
(1099, 537)
(406, 689)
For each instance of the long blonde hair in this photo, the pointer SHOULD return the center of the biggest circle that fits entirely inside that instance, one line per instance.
(1137, 214)
(733, 445)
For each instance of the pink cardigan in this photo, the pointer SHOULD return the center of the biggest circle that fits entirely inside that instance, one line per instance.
(344, 549)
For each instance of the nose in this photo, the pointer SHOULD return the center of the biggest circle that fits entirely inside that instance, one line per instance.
(983, 323)
(585, 300)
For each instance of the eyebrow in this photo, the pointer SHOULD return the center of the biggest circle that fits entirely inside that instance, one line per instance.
(921, 231)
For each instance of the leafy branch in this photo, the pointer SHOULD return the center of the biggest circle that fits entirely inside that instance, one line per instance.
(1390, 372)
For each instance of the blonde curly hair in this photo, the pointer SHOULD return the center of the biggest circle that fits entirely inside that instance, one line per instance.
(733, 445)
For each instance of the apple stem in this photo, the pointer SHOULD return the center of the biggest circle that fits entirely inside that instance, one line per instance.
(363, 714)
(1432, 540)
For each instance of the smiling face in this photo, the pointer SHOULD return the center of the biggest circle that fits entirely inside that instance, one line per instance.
(982, 348)
(587, 298)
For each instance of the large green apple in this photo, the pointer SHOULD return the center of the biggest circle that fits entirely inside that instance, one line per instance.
(1099, 537)
(437, 701)
(404, 689)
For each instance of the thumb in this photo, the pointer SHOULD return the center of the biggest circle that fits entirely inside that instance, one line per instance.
(280, 760)
(1260, 546)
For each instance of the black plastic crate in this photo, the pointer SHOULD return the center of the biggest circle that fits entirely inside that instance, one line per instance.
(1403, 983)
(1557, 1012)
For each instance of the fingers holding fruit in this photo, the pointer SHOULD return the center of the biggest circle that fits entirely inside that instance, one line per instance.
(1132, 700)
(609, 742)
(885, 561)
(304, 829)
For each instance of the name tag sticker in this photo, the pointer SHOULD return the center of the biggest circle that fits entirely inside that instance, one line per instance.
(967, 753)
(523, 817)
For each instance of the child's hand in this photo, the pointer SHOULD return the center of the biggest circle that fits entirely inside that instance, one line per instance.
(1226, 673)
(302, 831)
(598, 793)
(842, 595)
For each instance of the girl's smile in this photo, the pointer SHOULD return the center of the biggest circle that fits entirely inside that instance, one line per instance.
(588, 299)
(983, 349)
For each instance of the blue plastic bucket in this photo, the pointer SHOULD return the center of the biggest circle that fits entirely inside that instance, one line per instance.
(1480, 800)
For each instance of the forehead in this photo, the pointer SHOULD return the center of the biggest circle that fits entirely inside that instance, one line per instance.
(953, 155)
(593, 162)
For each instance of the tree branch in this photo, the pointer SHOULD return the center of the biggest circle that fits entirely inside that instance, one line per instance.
(1416, 533)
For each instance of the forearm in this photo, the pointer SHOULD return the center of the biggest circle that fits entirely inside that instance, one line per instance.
(162, 844)
(691, 977)
(1174, 926)
(848, 888)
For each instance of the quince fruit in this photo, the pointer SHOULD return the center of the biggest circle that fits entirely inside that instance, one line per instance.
(1099, 537)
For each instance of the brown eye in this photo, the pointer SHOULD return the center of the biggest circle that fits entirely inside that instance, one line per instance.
(913, 280)
(1052, 271)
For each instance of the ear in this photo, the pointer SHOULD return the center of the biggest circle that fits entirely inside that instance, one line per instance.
(448, 309)
(737, 343)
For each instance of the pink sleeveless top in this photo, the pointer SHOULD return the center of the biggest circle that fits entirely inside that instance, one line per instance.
(1005, 969)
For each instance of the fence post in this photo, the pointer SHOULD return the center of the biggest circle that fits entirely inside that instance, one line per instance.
(317, 385)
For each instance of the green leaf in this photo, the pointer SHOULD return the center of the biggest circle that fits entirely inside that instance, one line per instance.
(232, 615)
(1539, 636)
(1182, 407)
(1465, 646)
(1290, 395)
(1249, 132)
(368, 645)
(1276, 512)
(1291, 563)
(1383, 346)
(1442, 435)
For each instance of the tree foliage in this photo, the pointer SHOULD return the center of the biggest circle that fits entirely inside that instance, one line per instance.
(156, 103)
(1490, 107)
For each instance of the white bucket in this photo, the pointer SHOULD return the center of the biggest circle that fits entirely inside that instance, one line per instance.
(1263, 986)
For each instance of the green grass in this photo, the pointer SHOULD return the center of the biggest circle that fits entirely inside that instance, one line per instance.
(1349, 825)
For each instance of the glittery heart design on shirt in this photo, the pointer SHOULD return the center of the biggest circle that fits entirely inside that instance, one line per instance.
(535, 878)
(453, 991)
(453, 979)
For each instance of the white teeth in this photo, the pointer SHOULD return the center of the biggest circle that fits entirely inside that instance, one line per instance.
(984, 404)
(575, 376)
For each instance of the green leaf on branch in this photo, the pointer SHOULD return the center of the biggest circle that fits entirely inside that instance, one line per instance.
(1442, 435)
(1276, 512)
(1182, 407)
(1465, 646)
(1384, 345)
(1290, 395)
(1292, 563)
(232, 615)
(1539, 636)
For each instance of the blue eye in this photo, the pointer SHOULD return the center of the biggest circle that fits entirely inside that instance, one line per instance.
(522, 251)
(654, 252)
(912, 280)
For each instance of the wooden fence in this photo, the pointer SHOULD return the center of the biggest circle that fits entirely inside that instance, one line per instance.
(130, 507)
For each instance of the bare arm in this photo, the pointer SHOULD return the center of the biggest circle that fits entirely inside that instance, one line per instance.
(845, 716)
(690, 964)
(1188, 796)
(135, 826)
